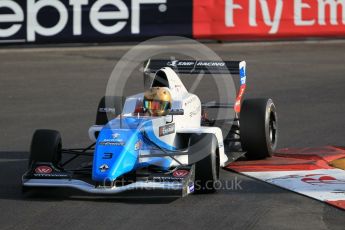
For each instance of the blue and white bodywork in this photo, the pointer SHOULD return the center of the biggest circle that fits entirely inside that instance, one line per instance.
(129, 137)
(159, 152)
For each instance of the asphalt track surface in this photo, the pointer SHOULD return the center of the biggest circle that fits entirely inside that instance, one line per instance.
(60, 88)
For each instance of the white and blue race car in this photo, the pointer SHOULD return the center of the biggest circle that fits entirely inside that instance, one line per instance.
(179, 151)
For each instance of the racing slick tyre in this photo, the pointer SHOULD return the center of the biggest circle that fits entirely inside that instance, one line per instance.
(45, 147)
(207, 171)
(258, 128)
(104, 114)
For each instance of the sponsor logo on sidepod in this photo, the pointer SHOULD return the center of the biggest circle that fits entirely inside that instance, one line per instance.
(166, 129)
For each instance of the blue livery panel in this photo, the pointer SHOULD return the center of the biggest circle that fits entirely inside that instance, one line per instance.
(118, 147)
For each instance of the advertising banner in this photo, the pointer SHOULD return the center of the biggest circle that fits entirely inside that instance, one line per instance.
(60, 21)
(85, 21)
(265, 19)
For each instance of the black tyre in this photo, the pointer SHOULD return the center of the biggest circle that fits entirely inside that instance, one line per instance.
(104, 113)
(46, 147)
(207, 172)
(258, 128)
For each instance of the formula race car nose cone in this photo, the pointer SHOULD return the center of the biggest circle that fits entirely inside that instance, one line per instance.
(113, 156)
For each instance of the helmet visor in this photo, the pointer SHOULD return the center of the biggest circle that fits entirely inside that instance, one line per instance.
(157, 105)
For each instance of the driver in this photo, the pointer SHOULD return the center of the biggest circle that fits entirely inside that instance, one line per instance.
(157, 101)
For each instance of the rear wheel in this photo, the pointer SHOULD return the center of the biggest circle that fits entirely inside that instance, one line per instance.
(45, 147)
(258, 128)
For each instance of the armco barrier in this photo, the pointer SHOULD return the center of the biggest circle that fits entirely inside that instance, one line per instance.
(82, 21)
(61, 21)
(266, 19)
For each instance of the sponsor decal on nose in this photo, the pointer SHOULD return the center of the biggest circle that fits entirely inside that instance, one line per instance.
(43, 169)
(103, 168)
(180, 173)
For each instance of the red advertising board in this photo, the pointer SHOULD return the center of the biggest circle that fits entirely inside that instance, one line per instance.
(253, 19)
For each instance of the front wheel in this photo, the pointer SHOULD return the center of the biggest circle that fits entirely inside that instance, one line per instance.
(45, 147)
(258, 128)
(207, 174)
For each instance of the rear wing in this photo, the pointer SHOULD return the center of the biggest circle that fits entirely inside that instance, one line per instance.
(196, 67)
(203, 67)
